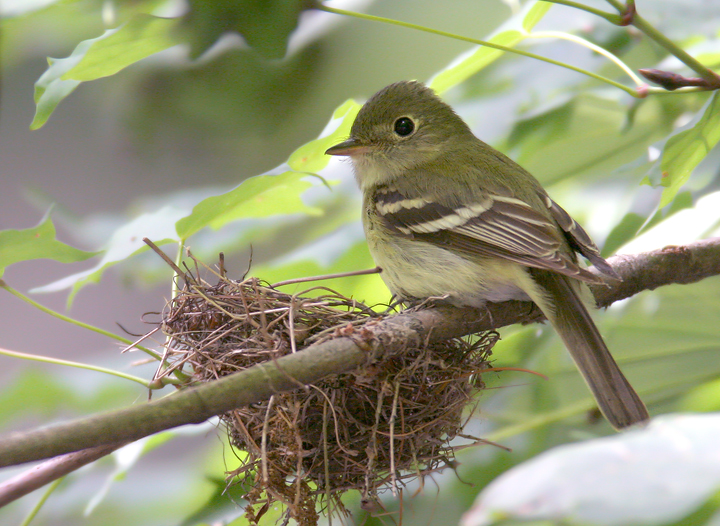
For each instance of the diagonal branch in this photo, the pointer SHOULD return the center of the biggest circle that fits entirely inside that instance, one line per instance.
(646, 271)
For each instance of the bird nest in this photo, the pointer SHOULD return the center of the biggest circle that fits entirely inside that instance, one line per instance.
(371, 429)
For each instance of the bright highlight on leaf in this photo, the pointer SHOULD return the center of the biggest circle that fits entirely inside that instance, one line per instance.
(259, 196)
(114, 50)
(648, 476)
(311, 157)
(126, 241)
(268, 195)
(510, 33)
(37, 243)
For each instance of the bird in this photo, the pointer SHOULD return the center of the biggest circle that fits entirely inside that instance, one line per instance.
(448, 217)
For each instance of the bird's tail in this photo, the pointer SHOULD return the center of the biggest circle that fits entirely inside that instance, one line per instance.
(566, 311)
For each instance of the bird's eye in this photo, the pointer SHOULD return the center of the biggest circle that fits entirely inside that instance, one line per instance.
(404, 126)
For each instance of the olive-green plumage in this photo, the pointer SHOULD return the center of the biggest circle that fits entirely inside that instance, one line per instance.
(447, 216)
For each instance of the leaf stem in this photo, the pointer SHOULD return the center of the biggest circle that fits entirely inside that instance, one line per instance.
(33, 512)
(417, 27)
(619, 5)
(610, 17)
(628, 15)
(73, 321)
(597, 49)
(690, 61)
(57, 361)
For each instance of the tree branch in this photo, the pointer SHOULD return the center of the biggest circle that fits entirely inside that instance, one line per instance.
(50, 470)
(681, 265)
(645, 271)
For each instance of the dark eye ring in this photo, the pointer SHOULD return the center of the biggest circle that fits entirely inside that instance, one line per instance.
(404, 126)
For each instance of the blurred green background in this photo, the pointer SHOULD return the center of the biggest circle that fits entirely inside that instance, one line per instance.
(171, 130)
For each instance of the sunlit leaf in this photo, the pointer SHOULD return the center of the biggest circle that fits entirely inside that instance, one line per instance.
(585, 137)
(37, 243)
(46, 394)
(623, 232)
(267, 195)
(50, 89)
(125, 242)
(684, 151)
(98, 57)
(508, 34)
(703, 398)
(532, 13)
(223, 505)
(634, 224)
(664, 341)
(311, 157)
(682, 201)
(259, 196)
(265, 25)
(369, 288)
(116, 49)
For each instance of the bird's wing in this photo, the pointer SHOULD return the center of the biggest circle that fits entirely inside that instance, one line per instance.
(494, 226)
(579, 239)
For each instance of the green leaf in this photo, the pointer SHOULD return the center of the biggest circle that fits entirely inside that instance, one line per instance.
(369, 289)
(268, 195)
(533, 13)
(50, 89)
(584, 137)
(98, 57)
(623, 232)
(42, 394)
(37, 243)
(116, 49)
(259, 196)
(509, 34)
(47, 395)
(265, 25)
(613, 481)
(682, 201)
(634, 224)
(223, 505)
(126, 241)
(684, 151)
(665, 341)
(311, 156)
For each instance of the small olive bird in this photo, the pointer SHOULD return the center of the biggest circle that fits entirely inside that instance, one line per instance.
(447, 216)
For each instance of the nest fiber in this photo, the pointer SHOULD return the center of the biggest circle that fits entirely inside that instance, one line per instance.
(369, 430)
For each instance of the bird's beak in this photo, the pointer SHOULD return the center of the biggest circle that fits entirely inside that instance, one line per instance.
(350, 147)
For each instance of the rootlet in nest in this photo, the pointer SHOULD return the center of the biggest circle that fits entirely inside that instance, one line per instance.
(374, 428)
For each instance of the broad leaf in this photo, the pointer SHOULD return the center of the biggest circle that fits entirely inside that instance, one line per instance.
(125, 242)
(259, 196)
(623, 232)
(98, 57)
(684, 151)
(116, 49)
(37, 243)
(265, 25)
(510, 33)
(612, 481)
(267, 195)
(636, 222)
(311, 157)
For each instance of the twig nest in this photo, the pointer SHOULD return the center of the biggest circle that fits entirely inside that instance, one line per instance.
(375, 428)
